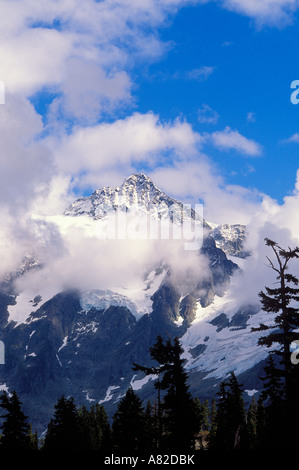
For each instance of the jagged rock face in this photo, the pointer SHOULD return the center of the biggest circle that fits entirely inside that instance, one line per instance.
(231, 238)
(83, 344)
(221, 269)
(139, 195)
(64, 349)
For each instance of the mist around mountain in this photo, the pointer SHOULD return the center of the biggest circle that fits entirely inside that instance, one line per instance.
(75, 322)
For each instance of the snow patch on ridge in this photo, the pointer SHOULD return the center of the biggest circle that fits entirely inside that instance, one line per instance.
(136, 298)
(109, 394)
(103, 299)
(27, 302)
(226, 349)
(138, 384)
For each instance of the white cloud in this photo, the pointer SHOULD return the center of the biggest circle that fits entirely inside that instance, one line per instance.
(201, 73)
(88, 91)
(69, 46)
(273, 12)
(207, 115)
(26, 165)
(197, 182)
(78, 258)
(85, 53)
(229, 139)
(137, 139)
(293, 139)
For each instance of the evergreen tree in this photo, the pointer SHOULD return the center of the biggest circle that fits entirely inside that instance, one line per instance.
(280, 300)
(260, 424)
(273, 397)
(179, 423)
(63, 431)
(103, 430)
(231, 430)
(160, 354)
(213, 427)
(201, 411)
(129, 424)
(87, 429)
(178, 404)
(149, 428)
(252, 423)
(237, 412)
(15, 428)
(221, 436)
(33, 438)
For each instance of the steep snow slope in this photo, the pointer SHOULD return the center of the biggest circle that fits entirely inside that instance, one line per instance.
(220, 339)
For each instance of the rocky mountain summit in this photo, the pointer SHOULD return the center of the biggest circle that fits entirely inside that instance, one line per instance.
(83, 343)
(137, 194)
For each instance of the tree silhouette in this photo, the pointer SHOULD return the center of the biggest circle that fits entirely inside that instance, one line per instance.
(177, 427)
(129, 424)
(63, 431)
(273, 397)
(15, 428)
(229, 430)
(282, 301)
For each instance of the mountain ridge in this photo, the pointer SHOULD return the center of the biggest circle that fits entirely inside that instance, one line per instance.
(84, 343)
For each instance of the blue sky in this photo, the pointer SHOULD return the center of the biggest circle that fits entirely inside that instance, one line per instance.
(224, 66)
(220, 69)
(248, 89)
(196, 93)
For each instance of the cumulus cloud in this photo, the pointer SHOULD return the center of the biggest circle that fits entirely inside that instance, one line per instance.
(78, 255)
(26, 164)
(137, 139)
(293, 139)
(229, 139)
(273, 12)
(84, 54)
(197, 181)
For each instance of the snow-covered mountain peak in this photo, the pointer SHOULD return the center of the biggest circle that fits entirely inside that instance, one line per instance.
(137, 194)
(139, 179)
(231, 239)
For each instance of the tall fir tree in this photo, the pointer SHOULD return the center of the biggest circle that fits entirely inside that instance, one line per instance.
(103, 429)
(87, 429)
(282, 301)
(221, 436)
(150, 443)
(202, 421)
(129, 424)
(176, 414)
(178, 405)
(252, 420)
(16, 432)
(275, 412)
(211, 441)
(260, 424)
(230, 430)
(63, 431)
